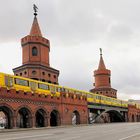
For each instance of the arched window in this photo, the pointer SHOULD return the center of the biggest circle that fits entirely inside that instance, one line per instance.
(34, 51)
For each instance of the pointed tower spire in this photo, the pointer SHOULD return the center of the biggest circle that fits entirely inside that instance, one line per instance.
(35, 29)
(102, 80)
(101, 63)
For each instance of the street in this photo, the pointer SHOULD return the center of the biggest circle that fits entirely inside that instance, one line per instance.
(112, 131)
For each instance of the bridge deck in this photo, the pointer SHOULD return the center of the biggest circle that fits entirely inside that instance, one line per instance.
(106, 107)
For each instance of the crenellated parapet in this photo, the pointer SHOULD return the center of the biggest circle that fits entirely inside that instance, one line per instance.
(72, 98)
(35, 39)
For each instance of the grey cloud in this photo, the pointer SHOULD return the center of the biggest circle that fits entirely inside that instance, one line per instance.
(119, 32)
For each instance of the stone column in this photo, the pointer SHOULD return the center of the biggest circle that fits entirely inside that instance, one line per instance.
(48, 121)
(14, 122)
(45, 121)
(33, 121)
(126, 117)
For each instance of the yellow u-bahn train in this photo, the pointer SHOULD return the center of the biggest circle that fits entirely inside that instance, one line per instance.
(34, 86)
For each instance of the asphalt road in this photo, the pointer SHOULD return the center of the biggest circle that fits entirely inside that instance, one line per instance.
(113, 131)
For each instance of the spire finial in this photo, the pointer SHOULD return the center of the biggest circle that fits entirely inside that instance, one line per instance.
(101, 51)
(35, 8)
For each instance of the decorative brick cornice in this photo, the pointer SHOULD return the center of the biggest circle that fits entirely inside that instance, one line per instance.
(37, 66)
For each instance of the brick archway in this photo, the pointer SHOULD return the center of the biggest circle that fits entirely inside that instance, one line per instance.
(75, 117)
(55, 118)
(41, 116)
(24, 117)
(9, 115)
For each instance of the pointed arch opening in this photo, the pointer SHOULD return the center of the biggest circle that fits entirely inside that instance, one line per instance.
(75, 117)
(6, 117)
(54, 118)
(24, 118)
(41, 118)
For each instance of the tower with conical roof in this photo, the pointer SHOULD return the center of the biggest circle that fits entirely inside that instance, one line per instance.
(102, 83)
(35, 56)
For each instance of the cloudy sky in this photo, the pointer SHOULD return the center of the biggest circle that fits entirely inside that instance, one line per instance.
(76, 30)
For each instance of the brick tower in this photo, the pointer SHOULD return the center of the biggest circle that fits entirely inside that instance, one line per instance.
(35, 56)
(103, 81)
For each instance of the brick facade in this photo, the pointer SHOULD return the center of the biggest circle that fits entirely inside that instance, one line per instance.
(14, 100)
(133, 113)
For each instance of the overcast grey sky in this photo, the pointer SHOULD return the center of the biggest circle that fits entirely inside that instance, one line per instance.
(76, 30)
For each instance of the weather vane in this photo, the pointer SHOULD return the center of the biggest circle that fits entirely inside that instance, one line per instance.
(100, 51)
(35, 8)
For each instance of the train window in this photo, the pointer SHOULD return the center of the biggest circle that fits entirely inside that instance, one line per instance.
(21, 82)
(78, 92)
(33, 85)
(108, 99)
(52, 89)
(8, 81)
(103, 98)
(90, 96)
(59, 89)
(66, 90)
(43, 86)
(62, 89)
(97, 97)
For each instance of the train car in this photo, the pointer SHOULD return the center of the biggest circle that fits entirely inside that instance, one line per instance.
(75, 92)
(104, 100)
(91, 98)
(124, 104)
(29, 85)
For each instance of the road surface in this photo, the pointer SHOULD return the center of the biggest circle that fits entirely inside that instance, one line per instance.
(112, 131)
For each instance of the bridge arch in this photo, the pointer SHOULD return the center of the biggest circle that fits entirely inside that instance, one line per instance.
(41, 117)
(110, 116)
(24, 117)
(55, 118)
(75, 117)
(115, 116)
(7, 114)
